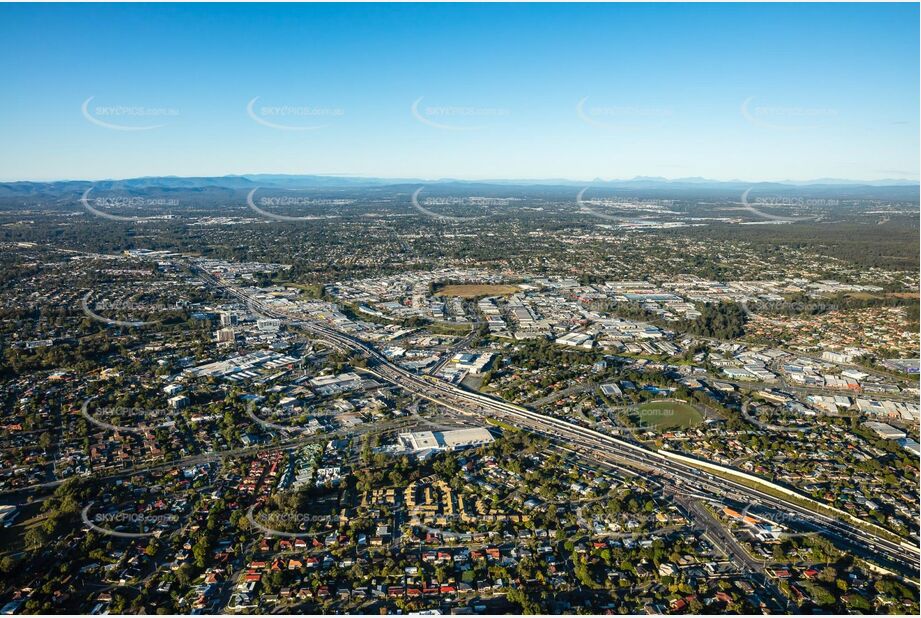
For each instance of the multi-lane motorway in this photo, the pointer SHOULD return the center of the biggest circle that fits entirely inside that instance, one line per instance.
(860, 539)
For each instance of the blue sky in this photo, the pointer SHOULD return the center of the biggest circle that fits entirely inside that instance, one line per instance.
(754, 92)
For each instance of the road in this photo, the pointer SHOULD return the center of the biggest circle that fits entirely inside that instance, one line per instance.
(726, 541)
(767, 426)
(459, 345)
(783, 384)
(861, 539)
(191, 460)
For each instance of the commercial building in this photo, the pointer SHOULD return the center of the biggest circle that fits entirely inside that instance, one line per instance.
(885, 430)
(268, 325)
(332, 384)
(578, 340)
(426, 442)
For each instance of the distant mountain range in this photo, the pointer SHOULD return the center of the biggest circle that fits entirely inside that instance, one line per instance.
(678, 188)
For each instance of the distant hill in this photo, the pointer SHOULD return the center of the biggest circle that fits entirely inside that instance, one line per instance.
(653, 187)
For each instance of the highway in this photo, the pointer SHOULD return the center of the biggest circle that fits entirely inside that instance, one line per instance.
(862, 540)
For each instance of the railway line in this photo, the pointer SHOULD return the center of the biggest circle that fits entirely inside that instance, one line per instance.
(901, 557)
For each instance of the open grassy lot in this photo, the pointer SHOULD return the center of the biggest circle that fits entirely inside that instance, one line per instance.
(11, 539)
(665, 415)
(869, 296)
(477, 290)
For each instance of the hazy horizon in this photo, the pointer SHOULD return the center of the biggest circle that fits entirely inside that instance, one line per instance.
(497, 179)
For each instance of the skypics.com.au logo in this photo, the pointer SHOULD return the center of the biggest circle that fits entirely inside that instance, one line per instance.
(101, 206)
(482, 203)
(120, 117)
(754, 206)
(785, 117)
(291, 117)
(622, 117)
(455, 117)
(126, 419)
(291, 201)
(279, 524)
(125, 521)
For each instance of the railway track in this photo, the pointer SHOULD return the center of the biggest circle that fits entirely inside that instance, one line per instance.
(901, 556)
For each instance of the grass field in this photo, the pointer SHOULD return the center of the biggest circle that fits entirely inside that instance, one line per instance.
(665, 415)
(477, 290)
(869, 296)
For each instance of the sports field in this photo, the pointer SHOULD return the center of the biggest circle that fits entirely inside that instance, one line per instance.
(665, 415)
